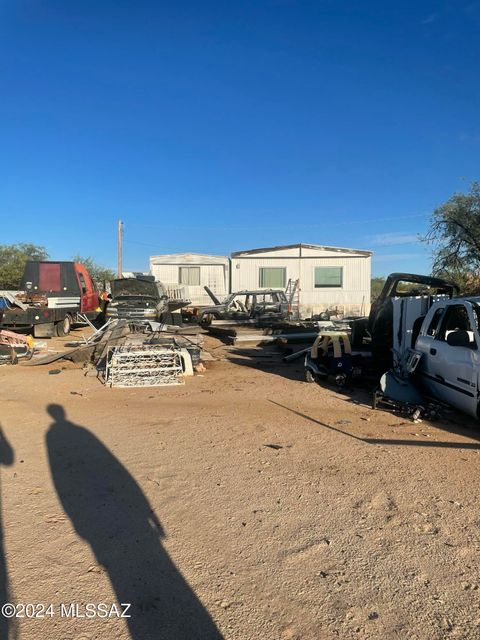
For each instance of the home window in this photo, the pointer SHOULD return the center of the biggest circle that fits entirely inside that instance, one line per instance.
(328, 277)
(189, 276)
(272, 277)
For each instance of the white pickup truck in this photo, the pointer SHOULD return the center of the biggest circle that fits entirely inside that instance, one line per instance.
(449, 341)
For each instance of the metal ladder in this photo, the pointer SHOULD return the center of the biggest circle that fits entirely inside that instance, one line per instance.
(292, 292)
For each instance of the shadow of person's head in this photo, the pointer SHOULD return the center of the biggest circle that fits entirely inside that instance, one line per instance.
(57, 412)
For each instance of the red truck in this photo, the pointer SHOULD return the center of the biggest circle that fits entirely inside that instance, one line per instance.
(52, 296)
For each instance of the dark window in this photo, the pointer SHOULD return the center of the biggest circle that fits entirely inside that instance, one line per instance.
(82, 283)
(432, 329)
(455, 319)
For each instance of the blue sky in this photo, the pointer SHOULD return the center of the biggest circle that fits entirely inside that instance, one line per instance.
(220, 126)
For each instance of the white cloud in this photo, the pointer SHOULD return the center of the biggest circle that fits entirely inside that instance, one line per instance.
(433, 17)
(392, 239)
(392, 257)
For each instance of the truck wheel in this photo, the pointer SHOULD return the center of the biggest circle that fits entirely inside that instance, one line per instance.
(64, 326)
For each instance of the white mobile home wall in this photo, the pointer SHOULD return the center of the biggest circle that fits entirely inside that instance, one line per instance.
(213, 272)
(299, 262)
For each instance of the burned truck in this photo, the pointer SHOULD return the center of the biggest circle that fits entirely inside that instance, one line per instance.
(426, 339)
(258, 306)
(378, 329)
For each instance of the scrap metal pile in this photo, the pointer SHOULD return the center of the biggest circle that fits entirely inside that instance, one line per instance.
(14, 346)
(417, 349)
(141, 365)
(130, 354)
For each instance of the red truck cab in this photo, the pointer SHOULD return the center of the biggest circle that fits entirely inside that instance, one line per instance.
(63, 283)
(89, 298)
(52, 296)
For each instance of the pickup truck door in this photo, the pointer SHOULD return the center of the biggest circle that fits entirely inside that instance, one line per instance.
(451, 372)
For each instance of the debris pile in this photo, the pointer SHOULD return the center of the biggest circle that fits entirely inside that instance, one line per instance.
(14, 346)
(142, 365)
(131, 354)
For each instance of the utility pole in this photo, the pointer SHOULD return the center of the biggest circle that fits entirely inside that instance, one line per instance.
(120, 248)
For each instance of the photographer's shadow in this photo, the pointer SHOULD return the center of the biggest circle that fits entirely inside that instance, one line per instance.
(109, 510)
(7, 458)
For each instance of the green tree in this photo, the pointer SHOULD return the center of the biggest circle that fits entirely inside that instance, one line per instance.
(12, 262)
(99, 274)
(455, 237)
(376, 286)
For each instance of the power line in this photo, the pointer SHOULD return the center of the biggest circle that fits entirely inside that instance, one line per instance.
(252, 226)
(151, 244)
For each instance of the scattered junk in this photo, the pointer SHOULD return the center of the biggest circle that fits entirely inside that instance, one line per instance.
(141, 365)
(376, 334)
(177, 298)
(53, 295)
(418, 348)
(150, 358)
(397, 390)
(330, 355)
(260, 307)
(435, 354)
(14, 346)
(135, 354)
(420, 343)
(280, 334)
(328, 314)
(262, 316)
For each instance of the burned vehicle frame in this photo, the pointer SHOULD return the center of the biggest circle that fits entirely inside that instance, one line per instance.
(378, 327)
(260, 306)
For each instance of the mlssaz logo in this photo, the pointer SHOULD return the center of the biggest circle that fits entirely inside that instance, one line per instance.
(95, 610)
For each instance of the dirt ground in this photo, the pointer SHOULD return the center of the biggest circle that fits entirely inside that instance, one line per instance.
(245, 505)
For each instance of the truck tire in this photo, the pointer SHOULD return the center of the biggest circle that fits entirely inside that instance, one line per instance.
(63, 327)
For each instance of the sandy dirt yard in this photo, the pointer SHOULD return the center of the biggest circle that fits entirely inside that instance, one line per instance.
(245, 505)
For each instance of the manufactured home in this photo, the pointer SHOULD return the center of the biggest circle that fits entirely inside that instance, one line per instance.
(328, 277)
(191, 272)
